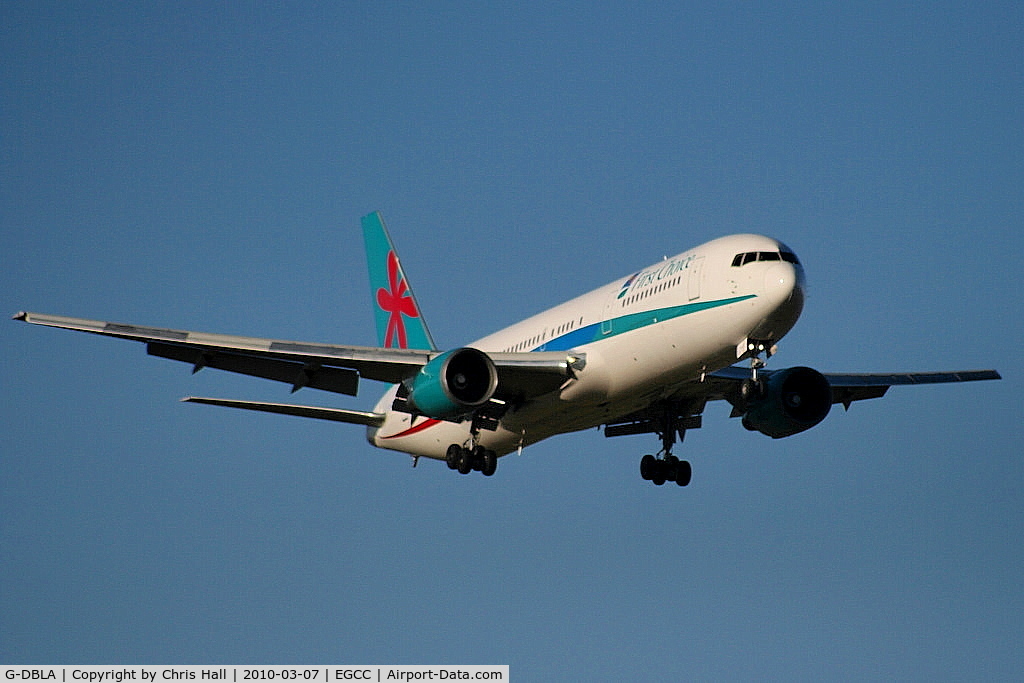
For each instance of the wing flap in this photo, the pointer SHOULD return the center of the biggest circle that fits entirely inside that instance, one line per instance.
(298, 374)
(847, 395)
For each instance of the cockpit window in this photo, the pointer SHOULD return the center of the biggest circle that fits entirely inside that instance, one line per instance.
(752, 256)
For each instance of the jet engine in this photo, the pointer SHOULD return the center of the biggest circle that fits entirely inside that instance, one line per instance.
(453, 384)
(791, 401)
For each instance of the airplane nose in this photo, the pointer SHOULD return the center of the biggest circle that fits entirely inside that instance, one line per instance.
(784, 284)
(780, 281)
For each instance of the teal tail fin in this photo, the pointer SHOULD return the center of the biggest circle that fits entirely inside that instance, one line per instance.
(400, 323)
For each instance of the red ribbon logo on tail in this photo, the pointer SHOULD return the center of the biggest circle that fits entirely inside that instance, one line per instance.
(396, 300)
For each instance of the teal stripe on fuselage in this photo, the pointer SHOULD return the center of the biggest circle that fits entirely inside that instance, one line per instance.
(628, 323)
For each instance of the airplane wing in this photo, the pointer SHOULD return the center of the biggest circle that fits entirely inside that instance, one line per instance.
(321, 366)
(850, 387)
(684, 408)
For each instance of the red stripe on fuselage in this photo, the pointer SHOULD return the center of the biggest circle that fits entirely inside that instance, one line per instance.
(415, 429)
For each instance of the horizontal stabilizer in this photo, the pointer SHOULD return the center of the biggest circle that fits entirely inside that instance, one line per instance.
(334, 414)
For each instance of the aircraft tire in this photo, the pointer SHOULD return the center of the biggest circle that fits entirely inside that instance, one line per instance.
(684, 473)
(659, 475)
(670, 467)
(490, 463)
(751, 391)
(648, 467)
(453, 455)
(477, 458)
(465, 460)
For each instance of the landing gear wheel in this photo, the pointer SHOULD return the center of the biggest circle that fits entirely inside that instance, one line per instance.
(489, 464)
(660, 473)
(480, 458)
(465, 465)
(648, 466)
(683, 473)
(452, 456)
(670, 465)
(751, 391)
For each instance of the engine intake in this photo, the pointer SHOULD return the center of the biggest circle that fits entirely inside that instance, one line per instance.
(453, 383)
(793, 400)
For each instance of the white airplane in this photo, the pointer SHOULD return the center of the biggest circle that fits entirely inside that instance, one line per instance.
(643, 354)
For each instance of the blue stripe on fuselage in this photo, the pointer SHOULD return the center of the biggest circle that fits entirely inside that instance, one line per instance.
(628, 323)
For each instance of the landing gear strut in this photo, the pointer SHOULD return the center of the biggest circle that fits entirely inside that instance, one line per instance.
(752, 389)
(669, 467)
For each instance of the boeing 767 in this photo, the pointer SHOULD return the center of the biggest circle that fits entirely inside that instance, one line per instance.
(642, 354)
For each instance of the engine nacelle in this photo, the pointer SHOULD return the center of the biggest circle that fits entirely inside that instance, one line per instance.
(453, 383)
(793, 400)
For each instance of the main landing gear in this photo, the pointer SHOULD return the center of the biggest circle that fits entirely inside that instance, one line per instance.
(465, 460)
(470, 455)
(669, 467)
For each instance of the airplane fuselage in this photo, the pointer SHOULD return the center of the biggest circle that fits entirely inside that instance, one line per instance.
(640, 338)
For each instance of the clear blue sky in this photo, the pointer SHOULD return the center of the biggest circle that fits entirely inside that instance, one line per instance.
(204, 166)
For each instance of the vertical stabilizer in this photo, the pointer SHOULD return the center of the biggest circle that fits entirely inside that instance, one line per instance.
(399, 321)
